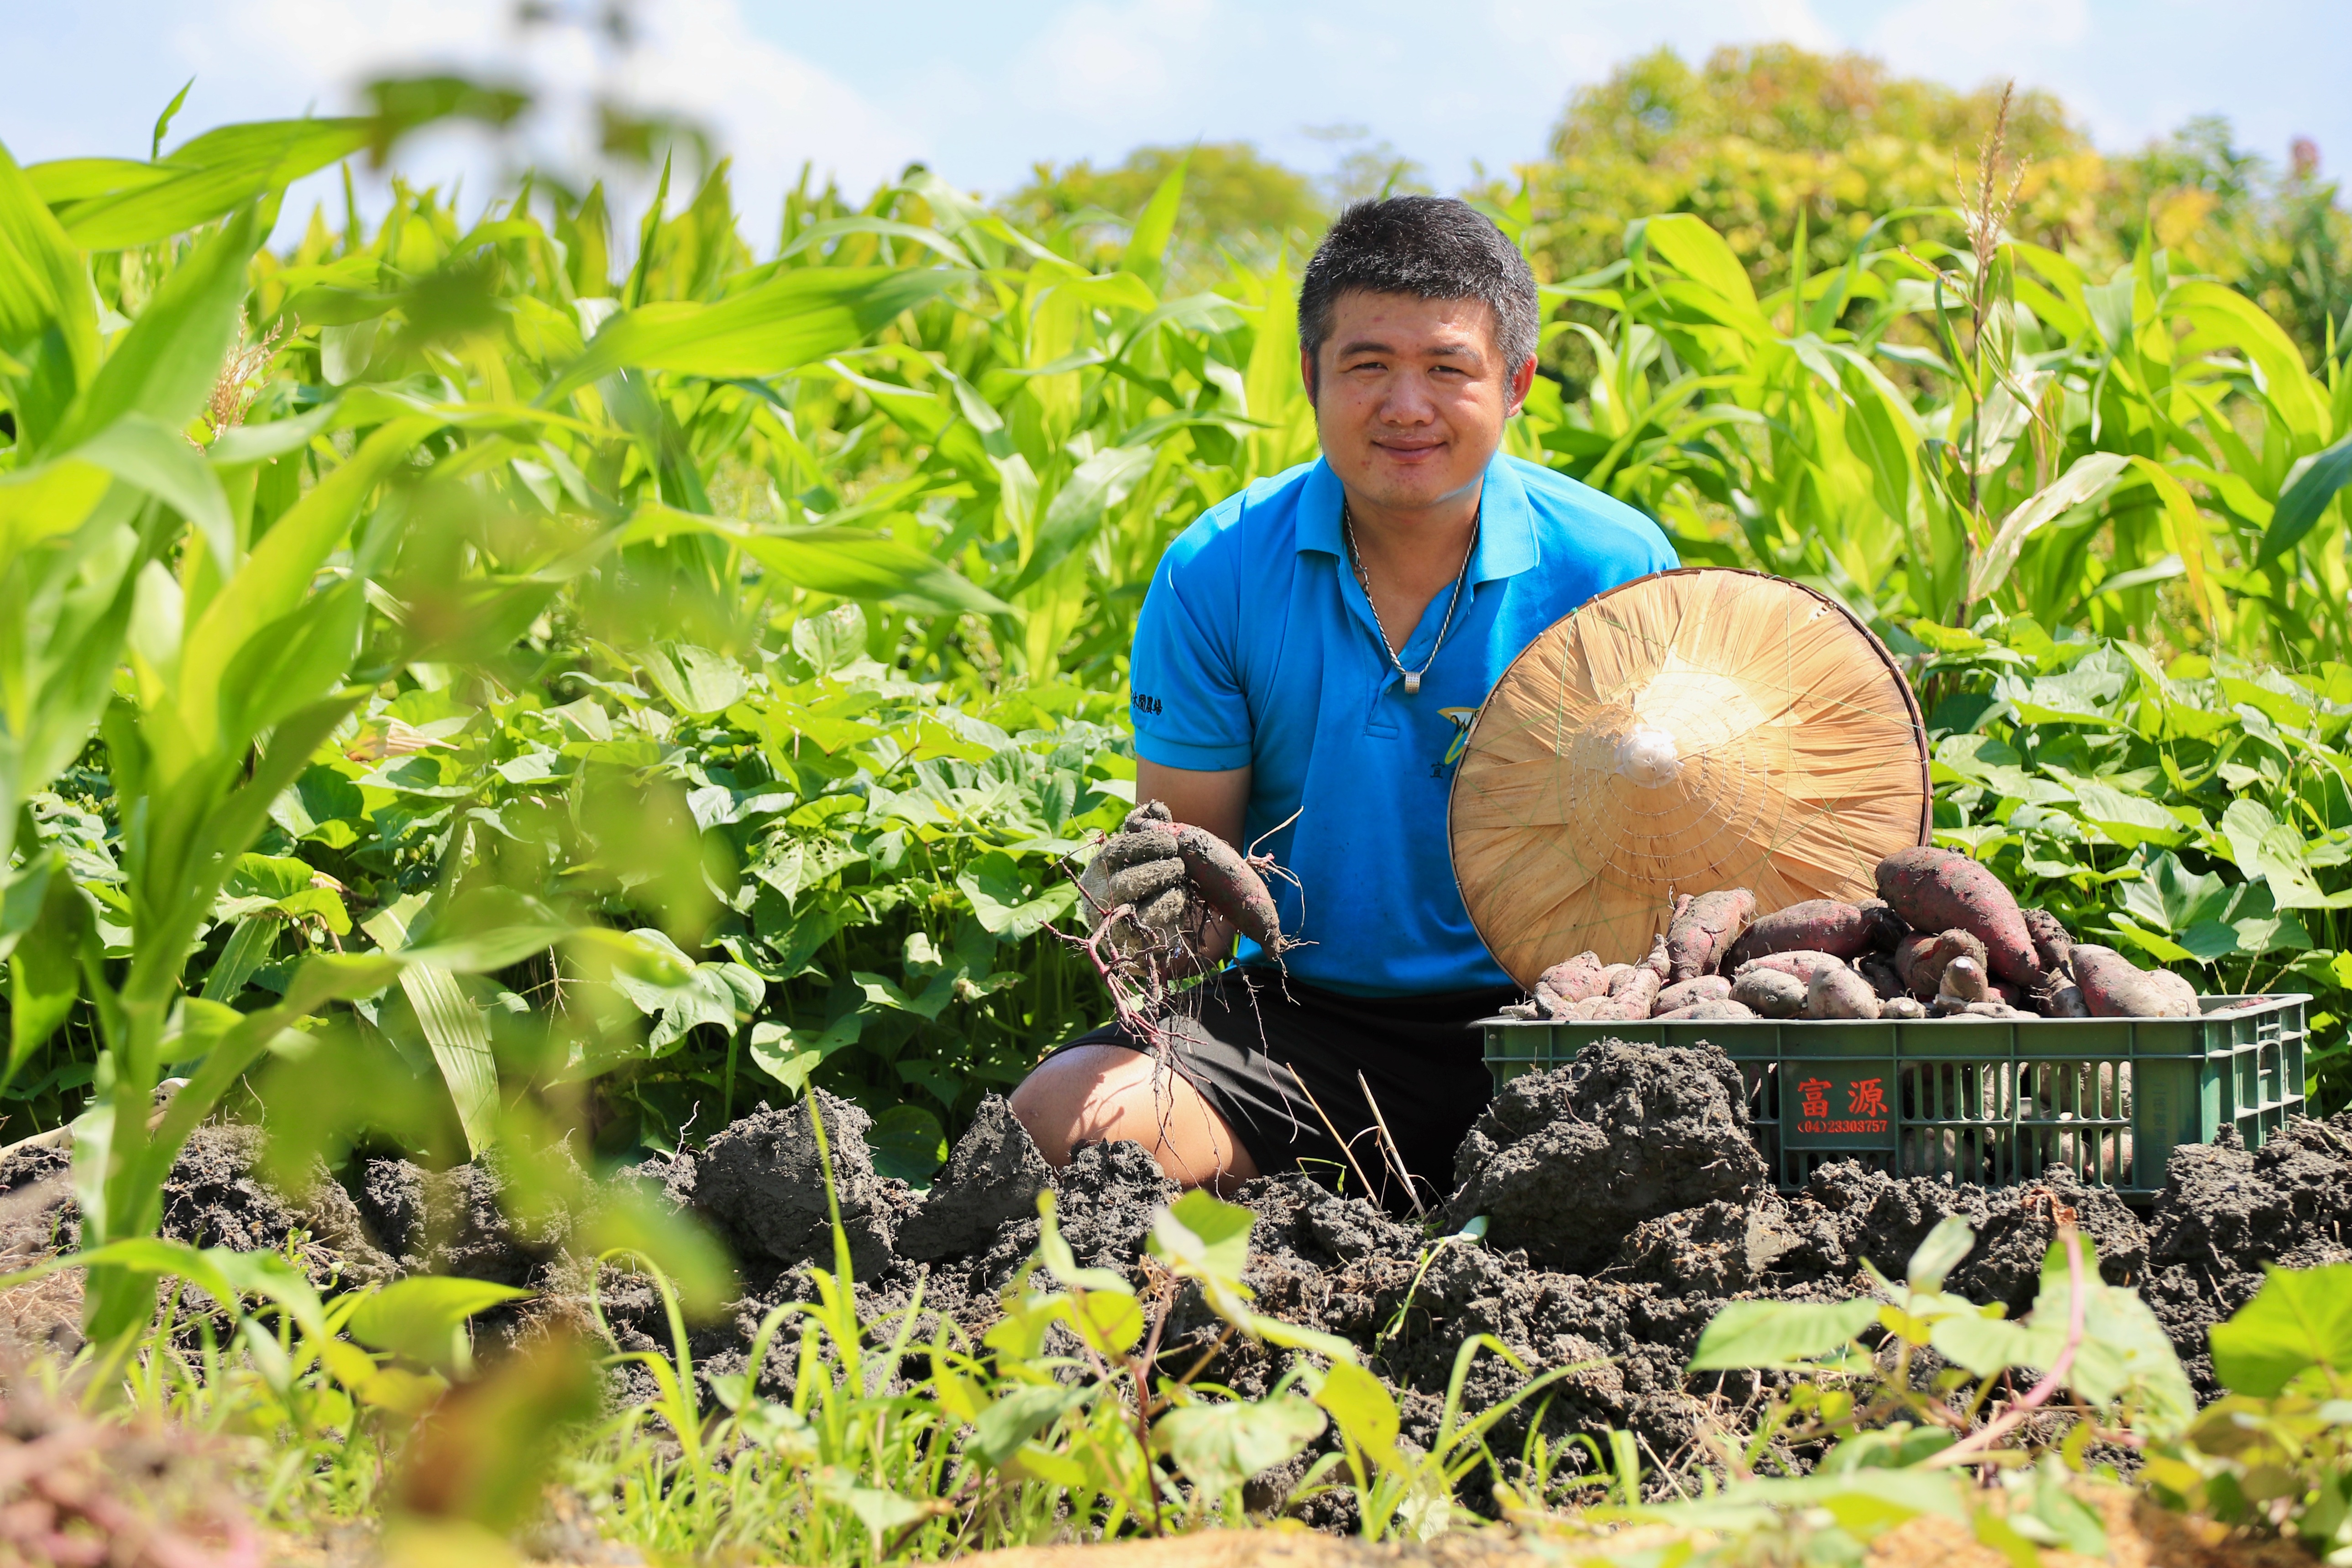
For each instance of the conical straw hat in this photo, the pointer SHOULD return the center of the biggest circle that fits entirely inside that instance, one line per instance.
(1691, 731)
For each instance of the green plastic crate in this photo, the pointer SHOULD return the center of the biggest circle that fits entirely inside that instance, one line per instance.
(1983, 1099)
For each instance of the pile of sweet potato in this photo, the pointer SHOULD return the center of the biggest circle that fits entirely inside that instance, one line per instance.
(1943, 939)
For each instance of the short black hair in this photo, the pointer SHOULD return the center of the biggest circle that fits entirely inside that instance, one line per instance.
(1435, 247)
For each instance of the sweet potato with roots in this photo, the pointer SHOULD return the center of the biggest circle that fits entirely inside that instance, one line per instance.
(1704, 929)
(1817, 925)
(1941, 889)
(1222, 875)
(2114, 987)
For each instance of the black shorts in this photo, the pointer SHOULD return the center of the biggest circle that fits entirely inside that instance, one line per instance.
(1239, 1036)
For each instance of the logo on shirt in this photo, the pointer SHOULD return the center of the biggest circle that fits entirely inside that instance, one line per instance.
(1146, 703)
(1461, 717)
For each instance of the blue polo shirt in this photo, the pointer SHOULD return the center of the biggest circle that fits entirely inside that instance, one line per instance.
(1256, 648)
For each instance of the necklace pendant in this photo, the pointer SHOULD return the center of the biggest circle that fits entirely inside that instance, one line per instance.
(1412, 683)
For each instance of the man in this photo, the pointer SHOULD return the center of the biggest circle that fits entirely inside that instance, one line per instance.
(1308, 661)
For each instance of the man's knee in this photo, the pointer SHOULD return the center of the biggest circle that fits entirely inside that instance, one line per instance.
(1066, 1092)
(1107, 1094)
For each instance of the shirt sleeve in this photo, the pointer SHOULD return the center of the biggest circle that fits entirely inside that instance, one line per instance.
(1185, 688)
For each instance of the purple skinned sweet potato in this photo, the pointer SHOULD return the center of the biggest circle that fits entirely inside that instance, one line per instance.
(1817, 925)
(1939, 889)
(2052, 941)
(2114, 987)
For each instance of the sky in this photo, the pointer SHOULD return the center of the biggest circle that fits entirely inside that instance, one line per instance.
(981, 91)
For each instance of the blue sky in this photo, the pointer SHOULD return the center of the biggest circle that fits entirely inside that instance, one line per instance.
(980, 91)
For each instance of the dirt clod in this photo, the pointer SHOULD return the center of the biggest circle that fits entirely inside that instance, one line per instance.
(1566, 1163)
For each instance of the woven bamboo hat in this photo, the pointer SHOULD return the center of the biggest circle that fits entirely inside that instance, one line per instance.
(1694, 729)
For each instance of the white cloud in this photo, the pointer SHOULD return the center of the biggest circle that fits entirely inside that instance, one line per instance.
(1108, 64)
(699, 59)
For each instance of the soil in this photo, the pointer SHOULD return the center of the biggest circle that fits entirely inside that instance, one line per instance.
(1625, 1202)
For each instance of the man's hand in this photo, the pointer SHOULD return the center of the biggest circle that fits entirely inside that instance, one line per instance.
(1135, 885)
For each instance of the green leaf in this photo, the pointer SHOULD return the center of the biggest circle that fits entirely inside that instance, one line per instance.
(1939, 1253)
(424, 1318)
(43, 922)
(203, 179)
(1200, 1236)
(1989, 1345)
(797, 317)
(165, 365)
(909, 1143)
(1001, 899)
(1221, 1445)
(790, 1055)
(1367, 1412)
(695, 679)
(2266, 848)
(2300, 1318)
(2130, 819)
(1778, 1334)
(2300, 504)
(1020, 1415)
(853, 563)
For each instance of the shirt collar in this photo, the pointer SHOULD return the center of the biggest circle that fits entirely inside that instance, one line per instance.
(1507, 524)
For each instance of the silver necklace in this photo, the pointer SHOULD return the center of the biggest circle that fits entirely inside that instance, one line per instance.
(1364, 581)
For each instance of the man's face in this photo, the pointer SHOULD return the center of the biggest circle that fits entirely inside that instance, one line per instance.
(1410, 395)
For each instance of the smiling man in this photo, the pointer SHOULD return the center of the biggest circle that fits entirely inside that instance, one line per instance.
(1309, 658)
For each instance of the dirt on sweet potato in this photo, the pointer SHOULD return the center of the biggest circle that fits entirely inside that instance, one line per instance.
(1817, 925)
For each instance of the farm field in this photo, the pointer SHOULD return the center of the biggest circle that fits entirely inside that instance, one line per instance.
(542, 749)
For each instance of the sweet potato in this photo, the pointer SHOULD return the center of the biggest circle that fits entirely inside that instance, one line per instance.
(1886, 927)
(1938, 889)
(2059, 997)
(1964, 982)
(1879, 970)
(1609, 1009)
(1839, 993)
(2184, 995)
(2051, 942)
(1991, 1010)
(1722, 1009)
(1637, 988)
(1692, 992)
(1817, 925)
(1231, 889)
(1920, 960)
(1704, 929)
(1567, 983)
(1902, 1007)
(1769, 993)
(1659, 963)
(2114, 987)
(1798, 965)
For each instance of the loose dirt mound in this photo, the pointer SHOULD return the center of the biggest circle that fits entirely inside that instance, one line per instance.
(1565, 1163)
(1625, 1202)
